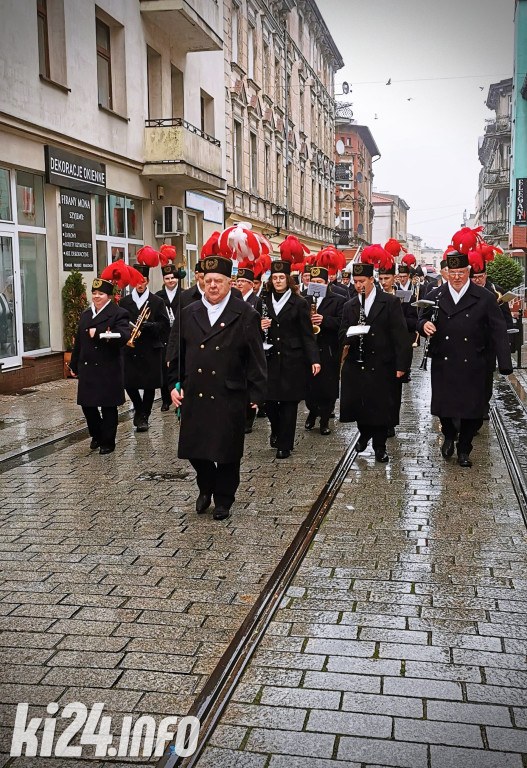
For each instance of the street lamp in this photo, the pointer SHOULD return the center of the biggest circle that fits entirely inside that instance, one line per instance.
(278, 217)
(336, 237)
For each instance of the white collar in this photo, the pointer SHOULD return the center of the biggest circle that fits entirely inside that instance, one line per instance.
(94, 311)
(214, 311)
(140, 299)
(280, 304)
(369, 300)
(456, 296)
(249, 293)
(171, 292)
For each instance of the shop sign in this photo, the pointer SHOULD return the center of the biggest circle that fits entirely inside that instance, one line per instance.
(521, 201)
(74, 172)
(77, 243)
(212, 209)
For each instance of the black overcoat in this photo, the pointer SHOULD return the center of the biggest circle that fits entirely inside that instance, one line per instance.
(222, 369)
(370, 391)
(294, 350)
(97, 362)
(468, 334)
(143, 363)
(255, 302)
(325, 386)
(171, 306)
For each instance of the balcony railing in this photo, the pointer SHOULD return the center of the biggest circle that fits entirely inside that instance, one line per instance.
(497, 178)
(498, 126)
(496, 229)
(177, 148)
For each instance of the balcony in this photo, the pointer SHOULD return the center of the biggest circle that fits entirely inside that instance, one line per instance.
(496, 230)
(174, 148)
(191, 24)
(500, 126)
(497, 179)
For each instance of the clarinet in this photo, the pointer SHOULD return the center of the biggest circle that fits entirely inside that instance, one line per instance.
(362, 321)
(433, 319)
(265, 316)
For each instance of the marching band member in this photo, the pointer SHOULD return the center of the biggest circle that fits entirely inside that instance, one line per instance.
(292, 357)
(469, 324)
(306, 277)
(220, 364)
(97, 363)
(323, 390)
(144, 362)
(405, 283)
(374, 361)
(245, 284)
(170, 294)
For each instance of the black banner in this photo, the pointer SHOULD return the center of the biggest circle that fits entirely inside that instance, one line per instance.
(74, 172)
(521, 201)
(77, 244)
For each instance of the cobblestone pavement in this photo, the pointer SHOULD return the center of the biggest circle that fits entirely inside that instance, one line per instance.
(403, 639)
(114, 590)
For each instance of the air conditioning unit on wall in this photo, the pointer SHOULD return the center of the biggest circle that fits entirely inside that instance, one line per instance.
(173, 220)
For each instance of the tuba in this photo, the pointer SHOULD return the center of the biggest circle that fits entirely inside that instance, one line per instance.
(143, 316)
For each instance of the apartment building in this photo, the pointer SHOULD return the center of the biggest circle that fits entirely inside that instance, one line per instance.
(112, 135)
(390, 218)
(518, 210)
(280, 61)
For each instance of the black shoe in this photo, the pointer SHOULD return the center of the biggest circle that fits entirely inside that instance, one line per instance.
(104, 451)
(362, 444)
(390, 432)
(283, 454)
(447, 449)
(165, 407)
(94, 444)
(324, 428)
(261, 413)
(142, 423)
(248, 430)
(202, 503)
(332, 415)
(310, 421)
(381, 455)
(137, 418)
(220, 513)
(273, 440)
(463, 460)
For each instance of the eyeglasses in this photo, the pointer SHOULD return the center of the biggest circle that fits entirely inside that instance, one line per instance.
(453, 273)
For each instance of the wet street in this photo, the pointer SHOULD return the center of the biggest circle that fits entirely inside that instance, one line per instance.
(402, 641)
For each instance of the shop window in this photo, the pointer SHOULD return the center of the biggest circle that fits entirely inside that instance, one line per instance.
(132, 252)
(8, 344)
(30, 199)
(34, 285)
(102, 255)
(100, 214)
(5, 196)
(117, 217)
(134, 218)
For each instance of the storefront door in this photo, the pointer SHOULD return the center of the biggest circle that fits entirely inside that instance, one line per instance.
(10, 310)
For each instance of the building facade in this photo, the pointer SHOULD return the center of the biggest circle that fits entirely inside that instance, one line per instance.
(493, 199)
(112, 134)
(355, 151)
(518, 189)
(280, 61)
(390, 218)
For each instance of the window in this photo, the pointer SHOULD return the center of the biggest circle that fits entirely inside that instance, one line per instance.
(277, 81)
(359, 177)
(134, 218)
(100, 215)
(235, 17)
(251, 51)
(30, 199)
(5, 196)
(300, 31)
(207, 113)
(104, 65)
(279, 181)
(301, 104)
(176, 85)
(345, 219)
(153, 66)
(237, 154)
(34, 283)
(254, 162)
(267, 172)
(43, 38)
(126, 217)
(302, 193)
(266, 68)
(8, 319)
(289, 177)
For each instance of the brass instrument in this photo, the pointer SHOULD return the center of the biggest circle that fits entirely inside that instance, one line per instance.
(313, 311)
(143, 316)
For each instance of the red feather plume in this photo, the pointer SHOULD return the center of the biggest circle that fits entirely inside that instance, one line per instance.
(331, 258)
(261, 265)
(293, 251)
(148, 256)
(211, 247)
(466, 239)
(409, 260)
(378, 256)
(394, 247)
(476, 261)
(240, 242)
(487, 251)
(167, 253)
(121, 274)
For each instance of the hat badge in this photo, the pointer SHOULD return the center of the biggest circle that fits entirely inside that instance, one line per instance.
(453, 261)
(97, 282)
(315, 271)
(211, 263)
(358, 269)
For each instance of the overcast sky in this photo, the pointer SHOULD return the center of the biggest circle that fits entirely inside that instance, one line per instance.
(439, 54)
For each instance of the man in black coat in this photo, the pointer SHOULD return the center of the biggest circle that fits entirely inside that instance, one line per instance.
(338, 287)
(98, 364)
(170, 294)
(404, 283)
(143, 363)
(245, 284)
(370, 390)
(323, 390)
(220, 364)
(468, 328)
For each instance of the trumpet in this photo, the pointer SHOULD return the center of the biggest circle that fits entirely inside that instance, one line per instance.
(143, 316)
(313, 311)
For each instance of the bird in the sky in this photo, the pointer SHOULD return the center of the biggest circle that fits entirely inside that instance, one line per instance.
(481, 88)
(376, 117)
(389, 81)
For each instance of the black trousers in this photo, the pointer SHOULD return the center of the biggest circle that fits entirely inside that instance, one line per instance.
(165, 390)
(142, 404)
(282, 415)
(102, 425)
(250, 416)
(467, 430)
(322, 408)
(376, 434)
(218, 480)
